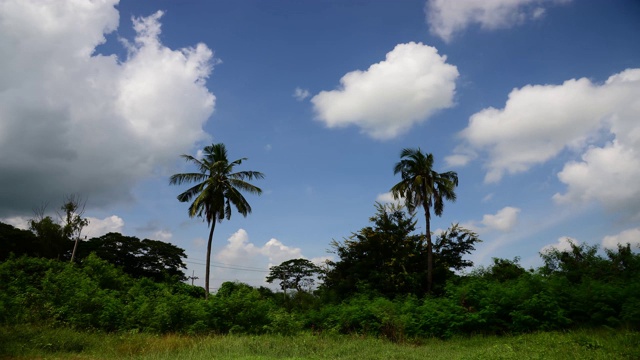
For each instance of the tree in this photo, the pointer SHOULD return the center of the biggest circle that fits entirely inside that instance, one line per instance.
(385, 258)
(296, 274)
(449, 248)
(217, 187)
(16, 241)
(147, 258)
(72, 220)
(422, 186)
(52, 244)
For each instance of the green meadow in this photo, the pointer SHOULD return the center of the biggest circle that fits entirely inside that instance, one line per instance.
(29, 342)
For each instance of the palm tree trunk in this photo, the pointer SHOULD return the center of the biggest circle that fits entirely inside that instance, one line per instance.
(427, 215)
(208, 269)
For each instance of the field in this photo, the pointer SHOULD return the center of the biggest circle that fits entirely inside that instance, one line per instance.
(25, 342)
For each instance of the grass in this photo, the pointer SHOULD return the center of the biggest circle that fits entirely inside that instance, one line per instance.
(28, 342)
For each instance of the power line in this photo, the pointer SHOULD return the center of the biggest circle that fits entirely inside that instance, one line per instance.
(232, 267)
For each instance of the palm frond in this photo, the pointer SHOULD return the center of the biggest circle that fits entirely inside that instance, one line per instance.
(179, 179)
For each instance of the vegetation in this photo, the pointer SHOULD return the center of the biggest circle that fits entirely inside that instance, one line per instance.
(217, 188)
(295, 274)
(422, 186)
(376, 291)
(577, 288)
(26, 342)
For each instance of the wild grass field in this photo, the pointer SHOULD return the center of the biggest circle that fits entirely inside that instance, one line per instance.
(28, 342)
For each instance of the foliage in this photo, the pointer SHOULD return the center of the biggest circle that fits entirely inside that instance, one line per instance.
(72, 220)
(52, 242)
(147, 258)
(216, 188)
(28, 342)
(383, 259)
(500, 299)
(388, 259)
(295, 274)
(422, 186)
(17, 242)
(449, 248)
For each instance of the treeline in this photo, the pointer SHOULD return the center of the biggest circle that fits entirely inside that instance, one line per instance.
(154, 259)
(375, 286)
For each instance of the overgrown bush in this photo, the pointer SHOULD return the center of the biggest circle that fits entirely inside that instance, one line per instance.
(502, 298)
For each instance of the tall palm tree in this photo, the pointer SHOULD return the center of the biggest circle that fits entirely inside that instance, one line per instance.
(422, 186)
(217, 187)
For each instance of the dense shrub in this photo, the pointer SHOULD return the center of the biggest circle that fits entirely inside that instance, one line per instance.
(500, 299)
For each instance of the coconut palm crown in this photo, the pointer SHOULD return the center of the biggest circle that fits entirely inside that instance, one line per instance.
(216, 191)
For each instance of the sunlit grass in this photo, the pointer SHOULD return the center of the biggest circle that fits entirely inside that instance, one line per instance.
(27, 342)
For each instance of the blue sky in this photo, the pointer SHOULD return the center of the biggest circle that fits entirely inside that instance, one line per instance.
(536, 105)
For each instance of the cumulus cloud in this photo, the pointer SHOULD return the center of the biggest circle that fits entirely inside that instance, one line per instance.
(163, 235)
(98, 227)
(239, 250)
(20, 222)
(540, 121)
(242, 260)
(387, 198)
(563, 244)
(301, 94)
(74, 121)
(446, 18)
(609, 175)
(503, 221)
(630, 236)
(390, 97)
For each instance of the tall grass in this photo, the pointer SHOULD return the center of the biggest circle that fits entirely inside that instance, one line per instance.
(28, 342)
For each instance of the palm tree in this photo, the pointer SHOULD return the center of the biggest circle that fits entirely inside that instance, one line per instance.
(421, 186)
(217, 187)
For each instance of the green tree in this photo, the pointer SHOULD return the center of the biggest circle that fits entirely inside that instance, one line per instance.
(217, 187)
(384, 258)
(147, 258)
(449, 248)
(16, 241)
(422, 186)
(52, 243)
(72, 220)
(296, 274)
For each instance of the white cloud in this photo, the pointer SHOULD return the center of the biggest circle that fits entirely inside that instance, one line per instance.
(301, 94)
(446, 17)
(321, 261)
(247, 262)
(387, 198)
(163, 235)
(563, 244)
(609, 175)
(277, 252)
(630, 236)
(504, 220)
(78, 122)
(239, 250)
(390, 97)
(537, 13)
(20, 222)
(540, 121)
(458, 160)
(98, 227)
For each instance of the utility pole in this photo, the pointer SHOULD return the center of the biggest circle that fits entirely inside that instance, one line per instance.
(192, 277)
